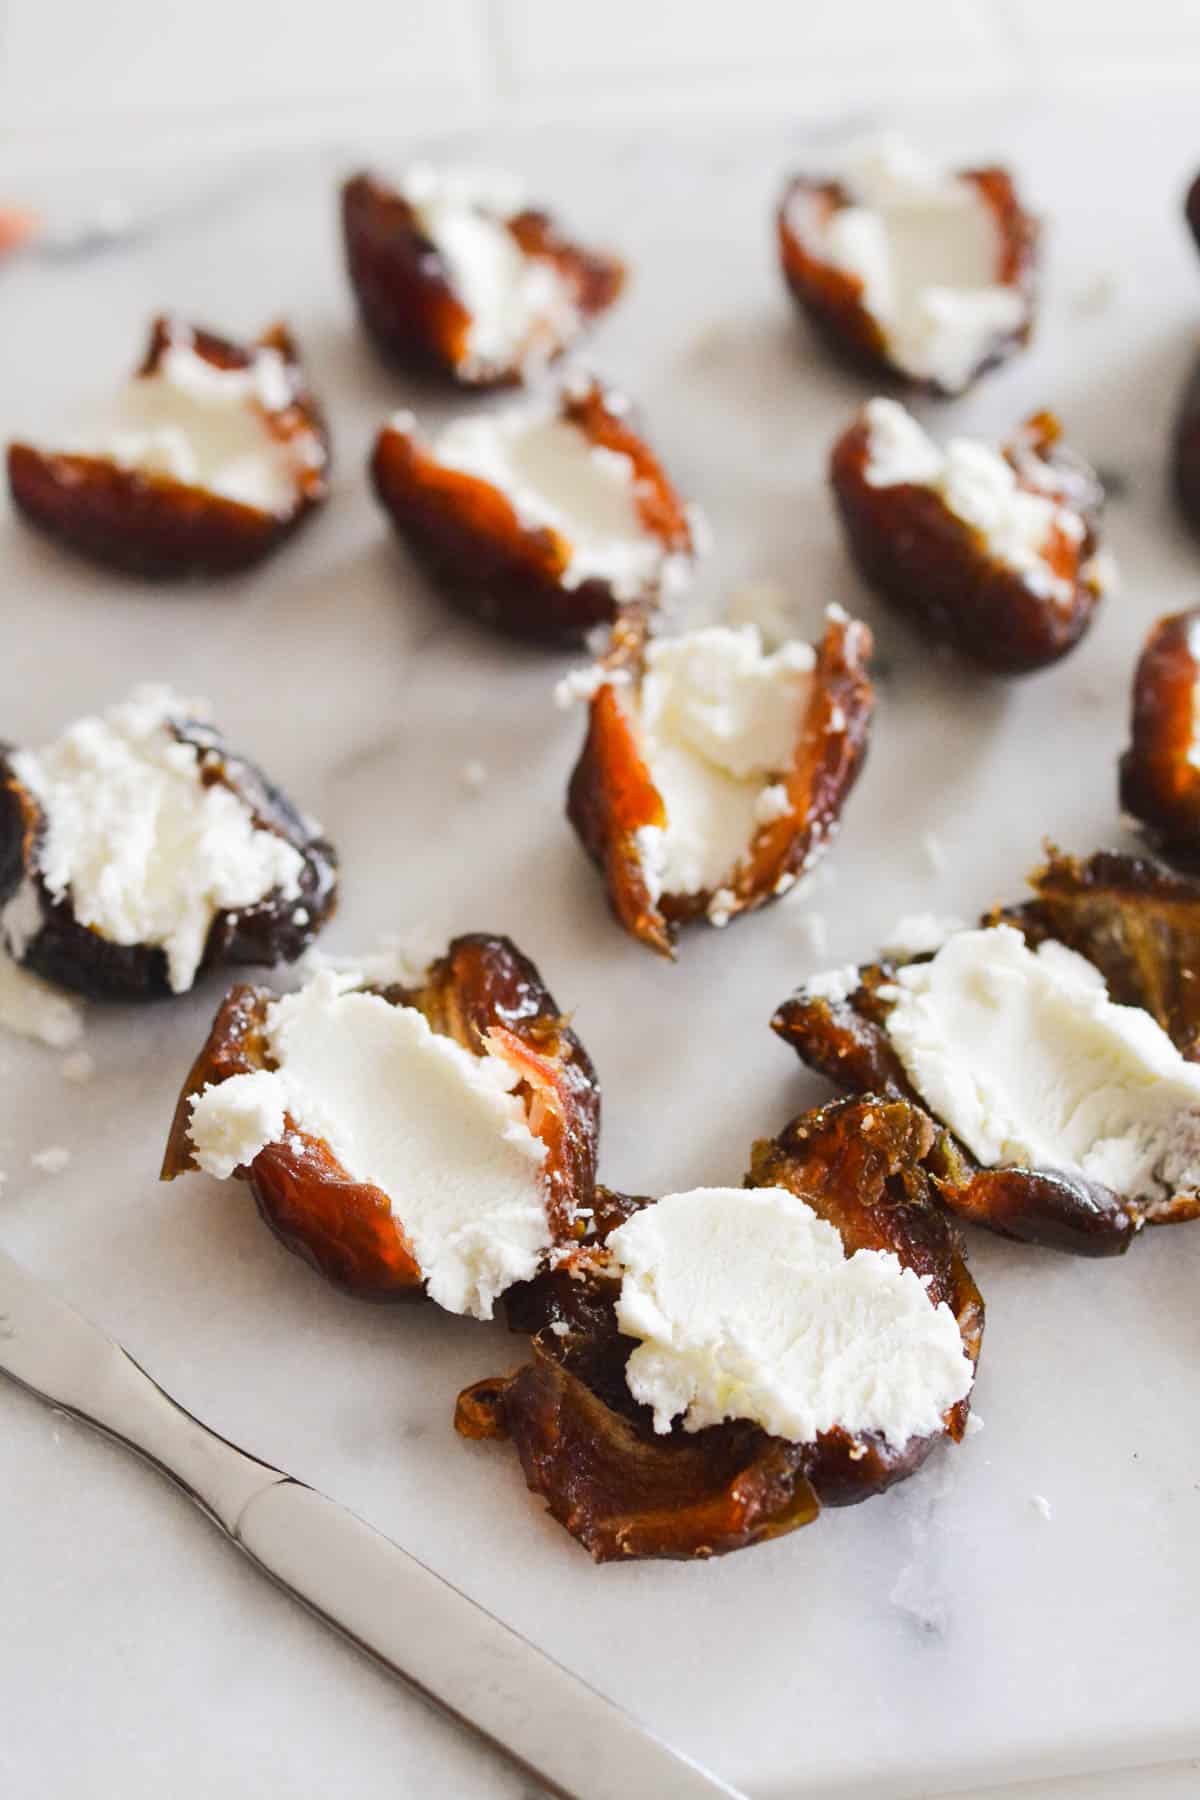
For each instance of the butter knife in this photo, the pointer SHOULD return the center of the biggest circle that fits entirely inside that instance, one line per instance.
(547, 1721)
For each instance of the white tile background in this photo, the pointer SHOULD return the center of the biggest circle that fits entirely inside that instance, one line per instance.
(159, 72)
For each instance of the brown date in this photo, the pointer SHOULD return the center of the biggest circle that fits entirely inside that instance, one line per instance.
(152, 525)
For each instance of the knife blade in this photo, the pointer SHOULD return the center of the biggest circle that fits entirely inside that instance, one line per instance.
(434, 1638)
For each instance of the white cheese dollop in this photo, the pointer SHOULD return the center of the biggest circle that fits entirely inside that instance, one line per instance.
(518, 303)
(1027, 1060)
(407, 1110)
(205, 426)
(748, 1308)
(979, 486)
(719, 726)
(144, 849)
(556, 479)
(927, 249)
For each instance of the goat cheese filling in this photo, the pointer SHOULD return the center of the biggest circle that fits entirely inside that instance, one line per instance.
(517, 303)
(1027, 1060)
(747, 1307)
(143, 849)
(557, 480)
(404, 1109)
(206, 427)
(978, 485)
(719, 725)
(927, 250)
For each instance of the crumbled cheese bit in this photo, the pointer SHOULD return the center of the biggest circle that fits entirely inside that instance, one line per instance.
(721, 907)
(474, 775)
(833, 985)
(51, 1161)
(31, 1008)
(747, 1307)
(773, 803)
(584, 684)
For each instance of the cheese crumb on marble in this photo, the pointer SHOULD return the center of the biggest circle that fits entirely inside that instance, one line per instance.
(51, 1161)
(408, 1110)
(146, 851)
(747, 1307)
(1027, 1060)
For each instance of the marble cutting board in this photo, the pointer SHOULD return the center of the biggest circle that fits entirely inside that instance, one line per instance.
(946, 1635)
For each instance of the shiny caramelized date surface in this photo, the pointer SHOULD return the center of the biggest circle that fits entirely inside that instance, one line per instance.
(482, 993)
(1160, 771)
(275, 929)
(152, 525)
(935, 568)
(590, 1451)
(466, 533)
(612, 796)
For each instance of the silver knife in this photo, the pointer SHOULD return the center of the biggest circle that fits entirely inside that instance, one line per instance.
(536, 1713)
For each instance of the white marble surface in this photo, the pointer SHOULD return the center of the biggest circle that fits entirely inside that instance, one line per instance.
(944, 1637)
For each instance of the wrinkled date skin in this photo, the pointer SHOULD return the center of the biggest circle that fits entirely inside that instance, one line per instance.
(153, 526)
(406, 302)
(1140, 925)
(483, 990)
(466, 533)
(832, 300)
(1159, 780)
(612, 795)
(590, 1450)
(67, 952)
(933, 567)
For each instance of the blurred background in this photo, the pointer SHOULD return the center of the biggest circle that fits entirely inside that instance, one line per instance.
(128, 78)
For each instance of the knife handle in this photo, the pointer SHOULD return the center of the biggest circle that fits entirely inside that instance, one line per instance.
(566, 1735)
